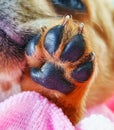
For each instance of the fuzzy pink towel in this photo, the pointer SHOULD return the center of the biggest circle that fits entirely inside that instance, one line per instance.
(31, 111)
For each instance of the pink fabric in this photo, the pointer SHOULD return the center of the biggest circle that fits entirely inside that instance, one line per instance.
(31, 111)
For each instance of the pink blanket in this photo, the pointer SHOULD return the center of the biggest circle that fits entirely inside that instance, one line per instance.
(31, 111)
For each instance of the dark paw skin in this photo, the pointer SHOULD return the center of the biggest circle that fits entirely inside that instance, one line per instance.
(30, 48)
(52, 74)
(53, 38)
(74, 49)
(51, 77)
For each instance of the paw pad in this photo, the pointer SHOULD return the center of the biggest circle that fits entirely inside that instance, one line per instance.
(74, 49)
(53, 74)
(83, 73)
(53, 38)
(30, 48)
(51, 77)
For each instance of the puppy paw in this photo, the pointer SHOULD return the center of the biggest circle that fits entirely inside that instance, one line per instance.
(61, 60)
(59, 57)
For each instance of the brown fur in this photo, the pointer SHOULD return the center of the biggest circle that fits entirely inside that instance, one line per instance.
(98, 33)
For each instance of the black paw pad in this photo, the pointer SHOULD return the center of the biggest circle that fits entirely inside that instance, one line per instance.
(53, 38)
(52, 77)
(30, 48)
(84, 72)
(74, 49)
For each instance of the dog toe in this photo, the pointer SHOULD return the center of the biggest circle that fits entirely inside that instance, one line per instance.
(30, 48)
(53, 38)
(83, 73)
(74, 49)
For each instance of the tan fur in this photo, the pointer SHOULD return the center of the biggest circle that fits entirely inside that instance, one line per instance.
(98, 34)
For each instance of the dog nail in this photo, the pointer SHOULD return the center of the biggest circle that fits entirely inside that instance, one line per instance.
(66, 19)
(53, 38)
(74, 49)
(80, 28)
(30, 48)
(92, 56)
(83, 73)
(51, 77)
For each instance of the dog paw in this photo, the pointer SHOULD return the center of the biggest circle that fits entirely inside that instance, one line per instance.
(59, 57)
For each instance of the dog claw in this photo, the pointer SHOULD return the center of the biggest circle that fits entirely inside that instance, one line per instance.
(66, 20)
(30, 48)
(92, 56)
(80, 28)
